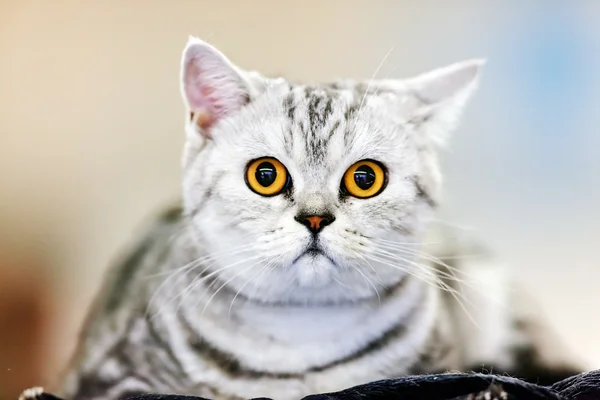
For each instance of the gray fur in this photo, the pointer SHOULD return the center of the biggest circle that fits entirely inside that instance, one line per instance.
(220, 298)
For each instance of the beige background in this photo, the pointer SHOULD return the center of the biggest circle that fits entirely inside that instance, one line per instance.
(91, 130)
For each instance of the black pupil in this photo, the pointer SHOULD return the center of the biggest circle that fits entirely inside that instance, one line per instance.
(266, 174)
(364, 177)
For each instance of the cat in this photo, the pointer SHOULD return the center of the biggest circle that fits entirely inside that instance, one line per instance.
(305, 256)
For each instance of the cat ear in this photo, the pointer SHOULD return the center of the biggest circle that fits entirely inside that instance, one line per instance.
(212, 87)
(441, 96)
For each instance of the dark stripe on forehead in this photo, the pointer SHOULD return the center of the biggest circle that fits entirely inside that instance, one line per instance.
(348, 135)
(351, 110)
(288, 140)
(308, 90)
(319, 111)
(328, 110)
(334, 128)
(289, 105)
(320, 108)
(314, 116)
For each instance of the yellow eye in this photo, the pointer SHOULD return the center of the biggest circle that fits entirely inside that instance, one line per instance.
(364, 179)
(267, 176)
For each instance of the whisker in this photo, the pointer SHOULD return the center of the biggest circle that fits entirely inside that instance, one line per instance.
(437, 283)
(384, 78)
(229, 281)
(373, 77)
(267, 266)
(234, 251)
(437, 272)
(377, 277)
(178, 272)
(415, 243)
(368, 281)
(198, 280)
(426, 257)
(421, 254)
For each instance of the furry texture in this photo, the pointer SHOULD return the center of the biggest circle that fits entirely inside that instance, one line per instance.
(234, 298)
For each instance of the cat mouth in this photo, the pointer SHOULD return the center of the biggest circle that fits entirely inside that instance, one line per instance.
(313, 250)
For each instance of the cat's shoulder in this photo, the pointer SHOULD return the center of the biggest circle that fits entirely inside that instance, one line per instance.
(149, 248)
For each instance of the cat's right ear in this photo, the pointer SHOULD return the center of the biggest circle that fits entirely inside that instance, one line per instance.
(211, 86)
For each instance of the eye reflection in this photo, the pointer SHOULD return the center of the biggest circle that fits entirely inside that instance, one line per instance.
(364, 177)
(266, 174)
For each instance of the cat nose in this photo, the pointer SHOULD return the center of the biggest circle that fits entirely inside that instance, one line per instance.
(315, 223)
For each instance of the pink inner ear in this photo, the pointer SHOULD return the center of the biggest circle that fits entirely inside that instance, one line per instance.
(213, 103)
(199, 92)
(212, 92)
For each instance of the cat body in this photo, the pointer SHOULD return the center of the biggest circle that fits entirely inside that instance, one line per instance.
(306, 257)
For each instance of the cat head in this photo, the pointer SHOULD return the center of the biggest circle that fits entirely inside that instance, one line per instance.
(313, 193)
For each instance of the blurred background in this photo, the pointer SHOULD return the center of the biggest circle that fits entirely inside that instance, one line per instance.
(91, 131)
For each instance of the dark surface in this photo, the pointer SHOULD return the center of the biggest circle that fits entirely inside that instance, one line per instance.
(443, 387)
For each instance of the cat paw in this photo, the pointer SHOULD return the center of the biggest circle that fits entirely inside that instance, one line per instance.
(34, 393)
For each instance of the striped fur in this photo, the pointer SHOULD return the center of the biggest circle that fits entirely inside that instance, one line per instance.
(221, 300)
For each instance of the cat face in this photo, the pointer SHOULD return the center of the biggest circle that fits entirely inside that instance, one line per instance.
(312, 193)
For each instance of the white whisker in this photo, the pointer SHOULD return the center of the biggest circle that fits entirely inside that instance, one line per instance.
(373, 77)
(198, 280)
(253, 277)
(229, 281)
(437, 282)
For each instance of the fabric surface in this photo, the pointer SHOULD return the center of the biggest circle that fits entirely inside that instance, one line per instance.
(585, 386)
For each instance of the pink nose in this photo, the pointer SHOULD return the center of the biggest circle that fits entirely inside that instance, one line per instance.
(315, 223)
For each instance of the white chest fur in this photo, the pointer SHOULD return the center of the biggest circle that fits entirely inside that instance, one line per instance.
(314, 347)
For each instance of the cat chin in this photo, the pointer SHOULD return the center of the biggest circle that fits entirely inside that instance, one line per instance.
(313, 282)
(322, 295)
(314, 271)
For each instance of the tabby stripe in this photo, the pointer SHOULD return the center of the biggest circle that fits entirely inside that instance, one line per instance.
(348, 116)
(351, 111)
(208, 193)
(93, 384)
(435, 351)
(161, 344)
(313, 116)
(423, 194)
(288, 104)
(334, 128)
(225, 361)
(126, 273)
(290, 108)
(228, 363)
(328, 110)
(391, 335)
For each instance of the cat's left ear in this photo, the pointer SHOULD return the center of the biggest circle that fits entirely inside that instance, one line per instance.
(211, 86)
(441, 96)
